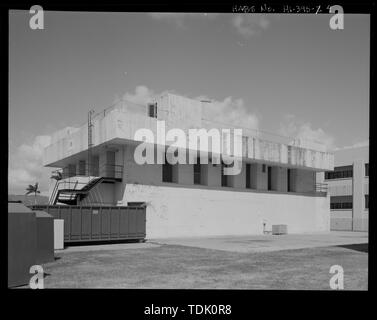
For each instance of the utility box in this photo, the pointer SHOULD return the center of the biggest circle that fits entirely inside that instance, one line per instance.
(45, 237)
(58, 234)
(22, 244)
(279, 229)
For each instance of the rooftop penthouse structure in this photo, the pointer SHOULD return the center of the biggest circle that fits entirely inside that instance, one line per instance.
(276, 183)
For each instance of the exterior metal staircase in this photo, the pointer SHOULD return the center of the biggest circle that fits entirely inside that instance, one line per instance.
(70, 195)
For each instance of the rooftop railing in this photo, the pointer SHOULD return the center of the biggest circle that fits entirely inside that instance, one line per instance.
(321, 187)
(109, 171)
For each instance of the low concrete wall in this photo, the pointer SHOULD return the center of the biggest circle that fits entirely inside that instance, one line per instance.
(341, 220)
(184, 212)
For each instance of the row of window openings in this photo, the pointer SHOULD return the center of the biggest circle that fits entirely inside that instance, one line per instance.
(341, 205)
(347, 173)
(348, 205)
(226, 180)
(152, 112)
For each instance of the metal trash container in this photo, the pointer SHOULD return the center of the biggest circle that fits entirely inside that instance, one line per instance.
(22, 244)
(99, 223)
(45, 237)
(279, 229)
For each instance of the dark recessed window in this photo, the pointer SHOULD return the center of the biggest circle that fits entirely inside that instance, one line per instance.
(263, 168)
(367, 169)
(152, 110)
(366, 201)
(289, 183)
(197, 172)
(341, 205)
(339, 173)
(269, 178)
(248, 175)
(341, 202)
(167, 172)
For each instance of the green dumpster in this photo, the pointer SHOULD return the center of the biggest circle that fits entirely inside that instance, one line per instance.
(22, 244)
(45, 237)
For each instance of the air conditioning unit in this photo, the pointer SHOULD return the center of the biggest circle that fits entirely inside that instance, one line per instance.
(279, 229)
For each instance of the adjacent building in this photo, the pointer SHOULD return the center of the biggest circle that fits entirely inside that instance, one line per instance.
(348, 187)
(277, 183)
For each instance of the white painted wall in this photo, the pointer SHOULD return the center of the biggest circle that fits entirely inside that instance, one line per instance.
(178, 211)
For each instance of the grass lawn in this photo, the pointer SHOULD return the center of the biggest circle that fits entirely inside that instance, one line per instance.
(180, 267)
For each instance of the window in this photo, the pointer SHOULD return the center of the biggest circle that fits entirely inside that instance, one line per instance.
(367, 169)
(340, 173)
(263, 168)
(167, 171)
(341, 202)
(248, 169)
(269, 178)
(341, 205)
(197, 172)
(289, 185)
(152, 110)
(367, 201)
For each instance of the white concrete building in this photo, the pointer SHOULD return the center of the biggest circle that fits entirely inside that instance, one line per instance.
(277, 183)
(348, 186)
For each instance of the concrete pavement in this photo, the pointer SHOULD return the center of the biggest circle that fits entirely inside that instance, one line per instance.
(249, 243)
(268, 243)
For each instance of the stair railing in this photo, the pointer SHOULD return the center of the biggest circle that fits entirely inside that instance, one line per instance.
(53, 194)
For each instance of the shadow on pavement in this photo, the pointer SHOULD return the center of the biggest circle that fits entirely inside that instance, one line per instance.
(362, 247)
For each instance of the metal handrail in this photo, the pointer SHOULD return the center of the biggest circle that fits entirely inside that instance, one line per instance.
(106, 171)
(321, 187)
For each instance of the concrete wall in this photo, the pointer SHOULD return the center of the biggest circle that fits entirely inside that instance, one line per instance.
(179, 112)
(360, 216)
(214, 175)
(135, 173)
(341, 220)
(186, 174)
(340, 187)
(303, 180)
(179, 211)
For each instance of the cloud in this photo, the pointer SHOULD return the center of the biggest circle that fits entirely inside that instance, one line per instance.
(25, 166)
(180, 19)
(229, 111)
(296, 128)
(248, 25)
(142, 95)
(364, 143)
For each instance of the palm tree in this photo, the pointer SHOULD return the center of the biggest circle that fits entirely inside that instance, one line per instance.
(33, 189)
(57, 175)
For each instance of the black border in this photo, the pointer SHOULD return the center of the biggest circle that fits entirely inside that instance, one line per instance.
(245, 303)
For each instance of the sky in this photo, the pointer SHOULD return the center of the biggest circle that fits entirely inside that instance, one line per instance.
(286, 74)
